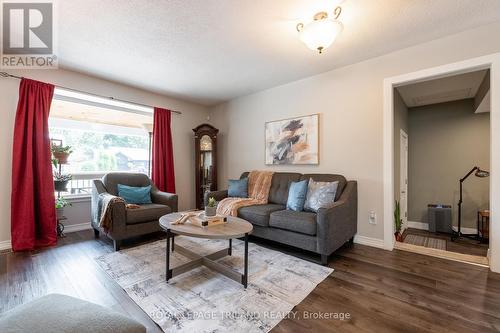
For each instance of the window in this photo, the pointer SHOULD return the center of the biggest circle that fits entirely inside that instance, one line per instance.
(103, 138)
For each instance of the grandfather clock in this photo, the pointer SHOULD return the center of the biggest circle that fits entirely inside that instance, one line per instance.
(205, 146)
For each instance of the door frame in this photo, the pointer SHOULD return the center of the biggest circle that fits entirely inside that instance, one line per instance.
(403, 180)
(491, 62)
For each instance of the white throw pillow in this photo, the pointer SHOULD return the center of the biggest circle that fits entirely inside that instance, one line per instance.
(320, 195)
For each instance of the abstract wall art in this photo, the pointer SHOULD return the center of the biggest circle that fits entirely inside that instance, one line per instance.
(293, 141)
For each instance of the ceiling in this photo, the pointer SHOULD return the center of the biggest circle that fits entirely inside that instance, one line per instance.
(209, 51)
(93, 114)
(447, 89)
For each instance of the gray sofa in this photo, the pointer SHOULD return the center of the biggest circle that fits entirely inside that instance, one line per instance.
(129, 223)
(322, 232)
(57, 313)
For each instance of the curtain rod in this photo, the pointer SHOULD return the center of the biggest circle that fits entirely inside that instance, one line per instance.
(4, 74)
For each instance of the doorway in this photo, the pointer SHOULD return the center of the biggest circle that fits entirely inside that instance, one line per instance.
(450, 137)
(390, 161)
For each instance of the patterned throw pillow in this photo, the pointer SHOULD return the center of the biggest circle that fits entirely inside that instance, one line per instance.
(320, 195)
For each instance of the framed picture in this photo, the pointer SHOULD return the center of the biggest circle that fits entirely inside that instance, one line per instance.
(293, 141)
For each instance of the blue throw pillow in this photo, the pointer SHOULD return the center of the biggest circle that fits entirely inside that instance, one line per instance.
(135, 195)
(297, 196)
(238, 188)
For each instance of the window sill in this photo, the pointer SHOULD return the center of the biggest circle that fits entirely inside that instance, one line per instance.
(78, 198)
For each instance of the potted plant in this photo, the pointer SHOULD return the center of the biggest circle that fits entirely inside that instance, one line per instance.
(60, 204)
(211, 207)
(397, 222)
(61, 181)
(61, 153)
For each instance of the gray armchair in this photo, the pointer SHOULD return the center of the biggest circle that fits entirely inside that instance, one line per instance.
(129, 223)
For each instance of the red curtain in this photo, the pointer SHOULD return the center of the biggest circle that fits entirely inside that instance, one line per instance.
(33, 214)
(163, 154)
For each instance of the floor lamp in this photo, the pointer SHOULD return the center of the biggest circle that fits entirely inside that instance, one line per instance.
(478, 173)
(149, 128)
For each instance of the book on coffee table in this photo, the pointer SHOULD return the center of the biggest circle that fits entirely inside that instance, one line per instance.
(202, 220)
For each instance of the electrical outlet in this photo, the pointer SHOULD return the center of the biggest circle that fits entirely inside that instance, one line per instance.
(372, 218)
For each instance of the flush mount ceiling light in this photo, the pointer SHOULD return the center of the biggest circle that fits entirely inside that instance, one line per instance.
(322, 32)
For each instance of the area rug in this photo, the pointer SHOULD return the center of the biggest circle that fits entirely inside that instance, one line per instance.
(434, 243)
(204, 301)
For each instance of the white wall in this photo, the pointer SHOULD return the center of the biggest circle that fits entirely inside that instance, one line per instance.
(182, 133)
(350, 102)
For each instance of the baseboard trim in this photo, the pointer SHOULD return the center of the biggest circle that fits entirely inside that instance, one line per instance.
(77, 227)
(466, 230)
(417, 225)
(5, 245)
(369, 241)
(425, 226)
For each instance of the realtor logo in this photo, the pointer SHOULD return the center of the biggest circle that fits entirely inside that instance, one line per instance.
(28, 35)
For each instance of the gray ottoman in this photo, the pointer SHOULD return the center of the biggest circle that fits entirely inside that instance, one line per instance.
(60, 313)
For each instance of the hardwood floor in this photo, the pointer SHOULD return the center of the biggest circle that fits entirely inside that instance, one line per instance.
(463, 245)
(381, 291)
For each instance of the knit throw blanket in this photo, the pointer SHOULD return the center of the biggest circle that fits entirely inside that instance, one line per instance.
(259, 184)
(107, 202)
